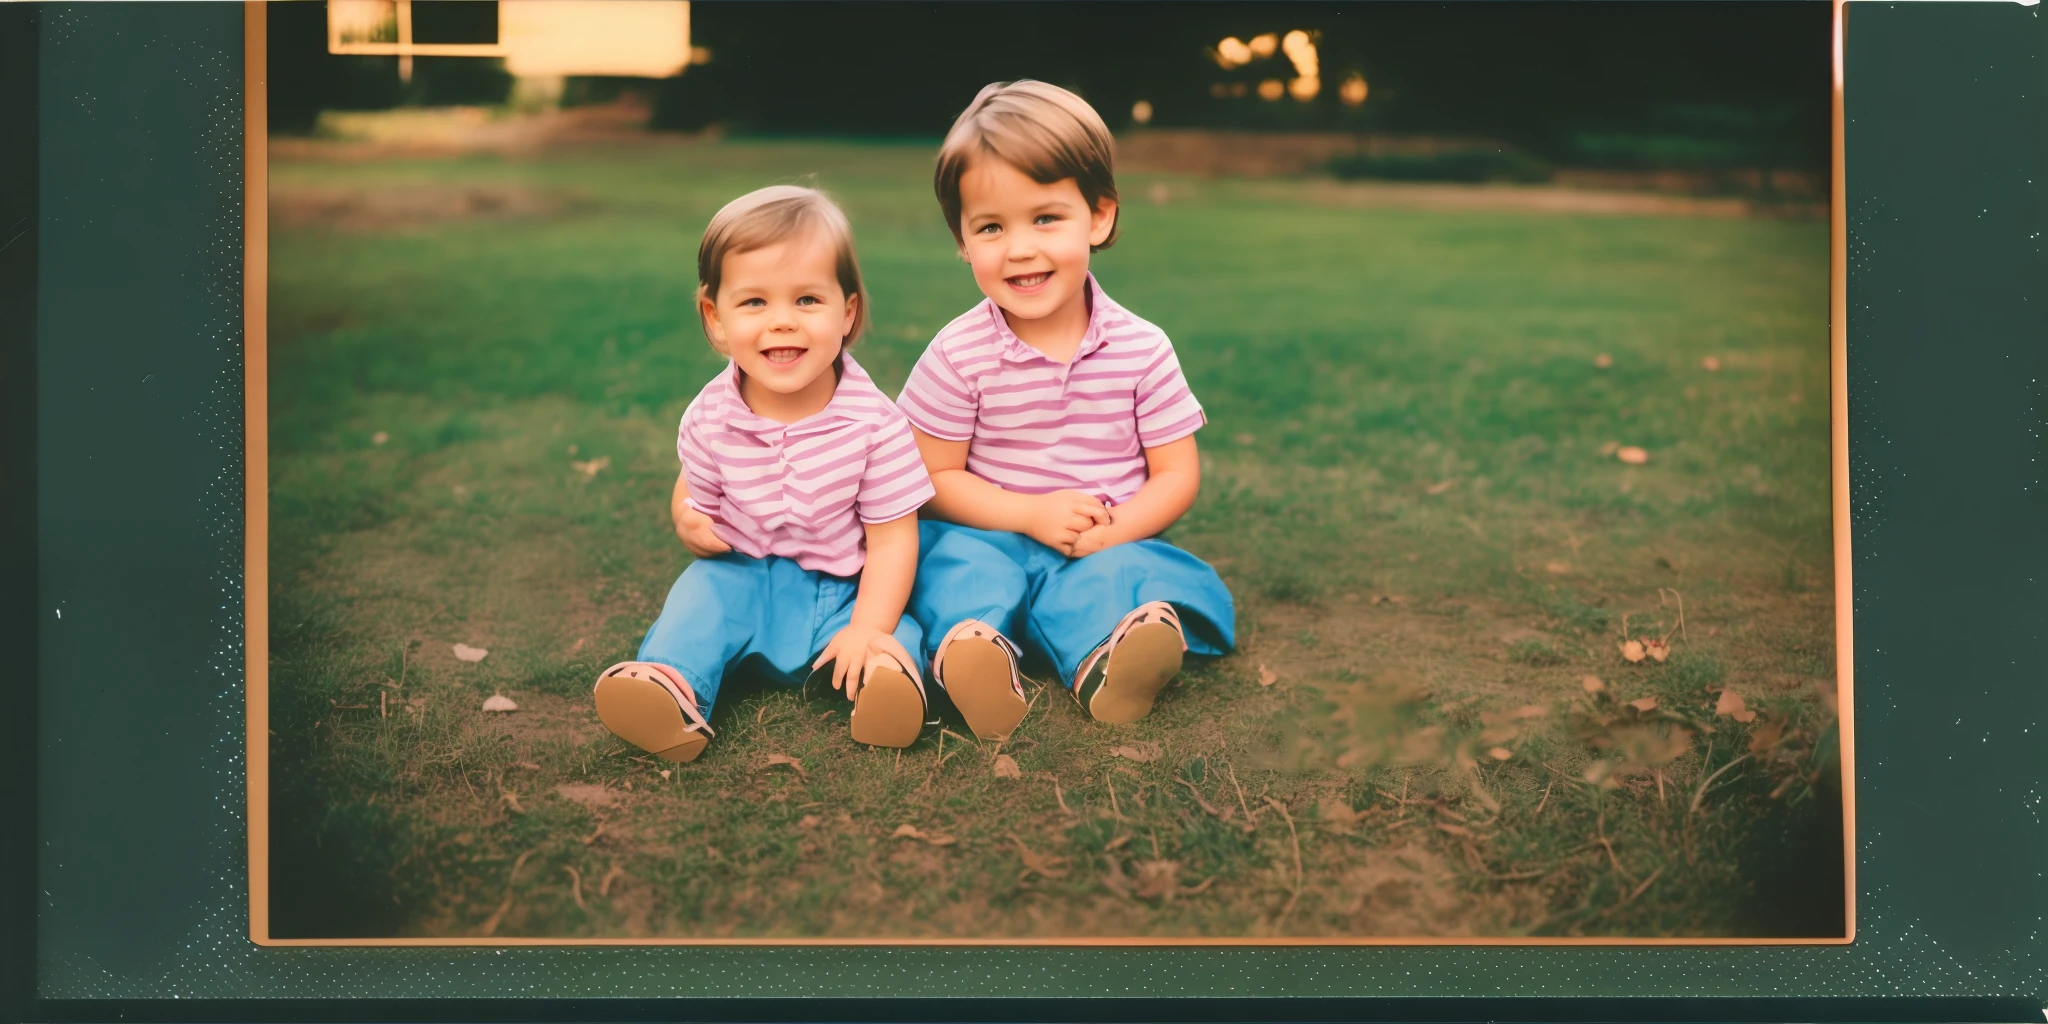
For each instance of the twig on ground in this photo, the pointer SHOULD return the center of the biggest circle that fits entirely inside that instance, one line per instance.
(576, 888)
(490, 924)
(1701, 793)
(1061, 797)
(1295, 838)
(1546, 798)
(604, 888)
(1241, 805)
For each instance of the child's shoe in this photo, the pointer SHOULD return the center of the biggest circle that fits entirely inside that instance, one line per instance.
(890, 710)
(977, 667)
(651, 707)
(1120, 680)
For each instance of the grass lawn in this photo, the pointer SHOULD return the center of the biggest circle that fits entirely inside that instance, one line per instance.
(477, 366)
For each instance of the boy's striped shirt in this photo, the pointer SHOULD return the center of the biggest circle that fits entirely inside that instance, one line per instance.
(1036, 425)
(801, 490)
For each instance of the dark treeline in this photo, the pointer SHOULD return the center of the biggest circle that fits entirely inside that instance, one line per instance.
(1572, 80)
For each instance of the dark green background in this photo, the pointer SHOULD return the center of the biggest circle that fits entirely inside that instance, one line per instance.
(139, 862)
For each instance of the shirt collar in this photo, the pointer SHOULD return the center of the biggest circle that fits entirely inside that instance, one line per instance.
(1092, 337)
(844, 406)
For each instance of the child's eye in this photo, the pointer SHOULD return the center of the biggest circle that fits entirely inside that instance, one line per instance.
(750, 303)
(987, 229)
(808, 300)
(1045, 218)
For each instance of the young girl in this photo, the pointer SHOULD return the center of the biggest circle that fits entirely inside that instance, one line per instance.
(798, 495)
(1059, 433)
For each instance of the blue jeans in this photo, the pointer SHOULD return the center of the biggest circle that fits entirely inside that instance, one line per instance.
(1059, 608)
(767, 617)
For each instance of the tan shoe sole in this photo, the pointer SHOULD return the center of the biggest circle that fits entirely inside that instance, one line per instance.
(889, 711)
(978, 681)
(644, 713)
(1140, 666)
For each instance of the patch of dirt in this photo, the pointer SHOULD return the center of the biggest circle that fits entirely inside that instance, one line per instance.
(410, 206)
(588, 795)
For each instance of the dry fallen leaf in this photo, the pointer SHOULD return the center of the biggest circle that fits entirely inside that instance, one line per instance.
(1006, 767)
(1632, 651)
(1531, 711)
(1245, 439)
(593, 467)
(1456, 830)
(379, 437)
(604, 888)
(1337, 814)
(1656, 649)
(808, 821)
(1500, 753)
(665, 774)
(1037, 863)
(464, 652)
(1556, 568)
(499, 702)
(1440, 487)
(913, 832)
(775, 759)
(1632, 455)
(528, 765)
(1267, 676)
(572, 449)
(1603, 360)
(1644, 704)
(1141, 751)
(1731, 706)
(1592, 684)
(1710, 364)
(1156, 879)
(1609, 448)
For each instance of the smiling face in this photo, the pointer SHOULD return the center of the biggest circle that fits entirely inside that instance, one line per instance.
(781, 315)
(1028, 244)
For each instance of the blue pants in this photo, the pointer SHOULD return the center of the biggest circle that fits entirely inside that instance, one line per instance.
(765, 616)
(1059, 608)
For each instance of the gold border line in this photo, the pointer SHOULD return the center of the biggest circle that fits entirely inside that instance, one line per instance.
(255, 296)
(256, 457)
(1845, 593)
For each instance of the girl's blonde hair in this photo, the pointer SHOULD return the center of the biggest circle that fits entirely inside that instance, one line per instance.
(771, 216)
(1045, 131)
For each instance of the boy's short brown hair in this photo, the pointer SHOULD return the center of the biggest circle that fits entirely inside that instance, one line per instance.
(771, 216)
(1045, 131)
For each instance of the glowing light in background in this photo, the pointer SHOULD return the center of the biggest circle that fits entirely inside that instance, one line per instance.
(1352, 92)
(1141, 112)
(1301, 50)
(363, 21)
(1262, 45)
(1305, 89)
(638, 38)
(1271, 89)
(1232, 52)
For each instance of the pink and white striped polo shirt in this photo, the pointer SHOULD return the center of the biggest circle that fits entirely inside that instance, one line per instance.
(801, 490)
(1037, 425)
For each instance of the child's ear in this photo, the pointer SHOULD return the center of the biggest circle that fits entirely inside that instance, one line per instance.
(852, 317)
(707, 311)
(1102, 222)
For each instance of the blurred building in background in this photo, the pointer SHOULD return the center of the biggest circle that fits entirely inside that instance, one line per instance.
(1736, 90)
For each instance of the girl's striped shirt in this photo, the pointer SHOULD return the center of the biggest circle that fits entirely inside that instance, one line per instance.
(801, 490)
(1036, 425)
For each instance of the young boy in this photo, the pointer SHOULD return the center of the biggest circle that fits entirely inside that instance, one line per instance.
(1059, 434)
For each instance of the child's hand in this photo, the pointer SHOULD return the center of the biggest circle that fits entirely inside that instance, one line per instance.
(694, 529)
(1059, 519)
(1093, 539)
(849, 650)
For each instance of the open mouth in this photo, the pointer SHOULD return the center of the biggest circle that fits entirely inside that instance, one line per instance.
(1028, 282)
(782, 356)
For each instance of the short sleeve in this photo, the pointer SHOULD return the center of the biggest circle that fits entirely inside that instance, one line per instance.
(700, 470)
(895, 482)
(1166, 407)
(937, 399)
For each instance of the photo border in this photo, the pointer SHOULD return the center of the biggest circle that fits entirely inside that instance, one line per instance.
(256, 611)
